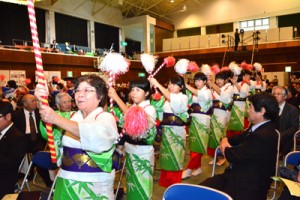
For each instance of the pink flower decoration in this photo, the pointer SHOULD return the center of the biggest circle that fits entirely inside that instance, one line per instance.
(169, 61)
(135, 122)
(193, 67)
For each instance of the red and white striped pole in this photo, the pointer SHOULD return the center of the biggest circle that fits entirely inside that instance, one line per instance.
(40, 72)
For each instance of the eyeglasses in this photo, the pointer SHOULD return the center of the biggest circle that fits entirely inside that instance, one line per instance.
(85, 91)
(277, 93)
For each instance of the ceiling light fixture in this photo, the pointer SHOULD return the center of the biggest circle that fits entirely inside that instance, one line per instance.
(172, 1)
(184, 7)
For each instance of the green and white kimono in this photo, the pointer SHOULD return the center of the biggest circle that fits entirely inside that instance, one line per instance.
(98, 135)
(140, 160)
(200, 125)
(57, 134)
(238, 110)
(221, 115)
(172, 148)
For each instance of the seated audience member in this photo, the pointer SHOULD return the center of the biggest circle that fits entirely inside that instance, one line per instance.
(22, 120)
(288, 120)
(27, 120)
(13, 147)
(291, 96)
(252, 154)
(74, 49)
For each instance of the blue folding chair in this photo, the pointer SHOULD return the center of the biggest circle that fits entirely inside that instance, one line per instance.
(182, 191)
(41, 159)
(292, 158)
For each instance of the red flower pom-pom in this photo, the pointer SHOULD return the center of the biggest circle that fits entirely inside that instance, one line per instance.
(27, 81)
(225, 69)
(244, 65)
(156, 96)
(193, 67)
(56, 79)
(2, 77)
(169, 61)
(215, 69)
(135, 122)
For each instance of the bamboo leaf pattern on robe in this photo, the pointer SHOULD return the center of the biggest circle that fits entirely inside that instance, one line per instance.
(216, 132)
(236, 119)
(81, 190)
(136, 165)
(172, 145)
(198, 136)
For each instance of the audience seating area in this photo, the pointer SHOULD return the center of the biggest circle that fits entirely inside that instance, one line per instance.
(216, 40)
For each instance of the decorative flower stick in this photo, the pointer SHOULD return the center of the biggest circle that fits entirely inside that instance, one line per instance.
(40, 73)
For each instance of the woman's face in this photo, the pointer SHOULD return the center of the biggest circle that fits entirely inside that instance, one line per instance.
(220, 82)
(86, 97)
(247, 77)
(199, 84)
(138, 95)
(173, 88)
(257, 77)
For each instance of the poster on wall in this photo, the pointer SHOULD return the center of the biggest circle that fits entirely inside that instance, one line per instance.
(49, 74)
(101, 74)
(17, 75)
(4, 77)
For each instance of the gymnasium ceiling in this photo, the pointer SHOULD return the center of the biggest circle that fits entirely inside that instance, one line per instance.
(159, 9)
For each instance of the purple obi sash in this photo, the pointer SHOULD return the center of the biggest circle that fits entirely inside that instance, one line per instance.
(77, 160)
(220, 105)
(172, 120)
(236, 97)
(196, 108)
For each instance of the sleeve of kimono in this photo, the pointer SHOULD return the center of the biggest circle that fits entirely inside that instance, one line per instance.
(226, 94)
(151, 112)
(244, 90)
(179, 103)
(204, 95)
(98, 135)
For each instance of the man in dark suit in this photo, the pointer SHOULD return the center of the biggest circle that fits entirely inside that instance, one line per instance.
(22, 122)
(252, 154)
(13, 147)
(288, 119)
(27, 120)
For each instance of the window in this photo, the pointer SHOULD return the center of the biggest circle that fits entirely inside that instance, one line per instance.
(255, 24)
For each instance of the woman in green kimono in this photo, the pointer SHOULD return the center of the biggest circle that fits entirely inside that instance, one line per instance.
(200, 124)
(87, 145)
(175, 116)
(139, 149)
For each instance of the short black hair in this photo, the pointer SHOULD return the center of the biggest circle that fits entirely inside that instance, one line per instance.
(142, 83)
(200, 76)
(178, 80)
(267, 101)
(5, 108)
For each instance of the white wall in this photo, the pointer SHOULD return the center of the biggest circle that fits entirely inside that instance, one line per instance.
(224, 11)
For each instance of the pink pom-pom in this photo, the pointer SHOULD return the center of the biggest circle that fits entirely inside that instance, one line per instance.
(244, 65)
(215, 69)
(156, 96)
(224, 68)
(27, 81)
(135, 122)
(2, 77)
(169, 61)
(193, 67)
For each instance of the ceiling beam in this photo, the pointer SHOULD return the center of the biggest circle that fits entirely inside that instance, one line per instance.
(80, 4)
(149, 11)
